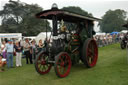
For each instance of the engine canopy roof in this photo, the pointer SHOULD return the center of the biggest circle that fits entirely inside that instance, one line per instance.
(65, 15)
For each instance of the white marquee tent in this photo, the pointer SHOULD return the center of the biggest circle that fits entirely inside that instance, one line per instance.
(42, 36)
(11, 35)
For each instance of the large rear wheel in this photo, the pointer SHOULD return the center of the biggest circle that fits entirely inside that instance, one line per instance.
(41, 64)
(62, 64)
(90, 53)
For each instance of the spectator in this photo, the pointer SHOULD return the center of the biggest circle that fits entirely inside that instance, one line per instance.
(27, 51)
(18, 50)
(10, 50)
(40, 45)
(2, 63)
(3, 49)
(33, 49)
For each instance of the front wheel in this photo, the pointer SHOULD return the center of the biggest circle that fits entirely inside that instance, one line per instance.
(41, 64)
(62, 64)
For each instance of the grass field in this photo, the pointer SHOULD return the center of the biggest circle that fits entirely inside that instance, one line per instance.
(111, 69)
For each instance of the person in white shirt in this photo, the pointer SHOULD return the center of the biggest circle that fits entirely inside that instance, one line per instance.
(27, 52)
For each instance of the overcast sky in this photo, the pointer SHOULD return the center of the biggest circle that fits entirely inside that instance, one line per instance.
(96, 7)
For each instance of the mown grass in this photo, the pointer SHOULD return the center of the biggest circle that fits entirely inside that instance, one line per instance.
(111, 69)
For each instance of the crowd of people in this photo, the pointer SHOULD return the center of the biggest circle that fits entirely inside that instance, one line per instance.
(103, 40)
(10, 48)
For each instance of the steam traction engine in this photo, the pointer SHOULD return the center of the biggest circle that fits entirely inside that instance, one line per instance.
(124, 41)
(66, 47)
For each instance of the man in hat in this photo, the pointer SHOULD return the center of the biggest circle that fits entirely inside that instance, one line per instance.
(27, 51)
(10, 50)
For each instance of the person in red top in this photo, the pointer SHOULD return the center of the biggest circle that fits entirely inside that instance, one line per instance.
(2, 63)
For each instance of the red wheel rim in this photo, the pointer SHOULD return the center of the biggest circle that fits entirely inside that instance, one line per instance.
(43, 66)
(92, 53)
(63, 65)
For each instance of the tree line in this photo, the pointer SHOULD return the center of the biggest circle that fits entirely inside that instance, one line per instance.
(19, 17)
(113, 21)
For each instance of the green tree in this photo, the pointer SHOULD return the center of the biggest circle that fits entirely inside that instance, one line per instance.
(113, 21)
(30, 24)
(20, 17)
(11, 16)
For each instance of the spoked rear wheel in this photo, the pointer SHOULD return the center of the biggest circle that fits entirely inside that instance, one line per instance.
(41, 64)
(62, 64)
(90, 53)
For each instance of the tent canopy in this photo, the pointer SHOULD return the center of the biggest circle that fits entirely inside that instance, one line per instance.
(10, 35)
(114, 33)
